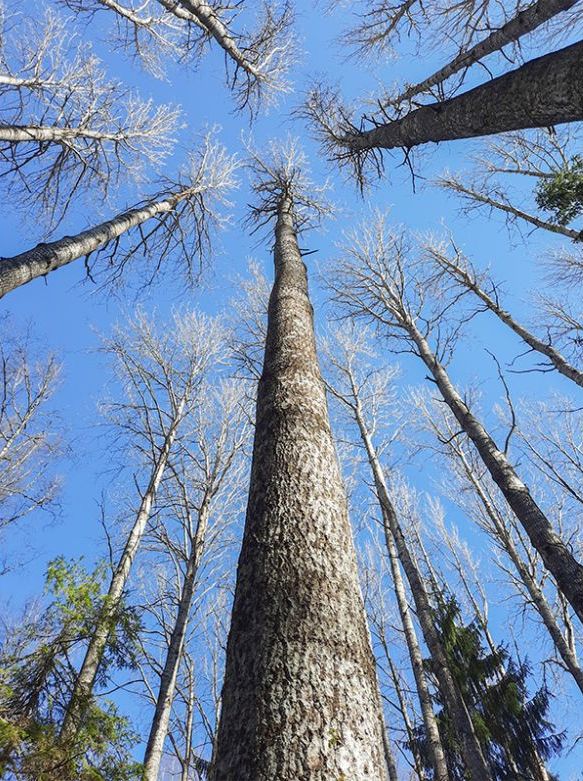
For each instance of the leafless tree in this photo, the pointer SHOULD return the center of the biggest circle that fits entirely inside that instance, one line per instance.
(171, 232)
(362, 391)
(161, 370)
(256, 61)
(29, 443)
(72, 129)
(377, 279)
(288, 648)
(203, 494)
(450, 261)
(541, 93)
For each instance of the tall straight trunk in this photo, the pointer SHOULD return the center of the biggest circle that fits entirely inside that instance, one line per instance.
(555, 553)
(554, 356)
(90, 666)
(472, 753)
(300, 697)
(409, 728)
(430, 722)
(161, 719)
(543, 92)
(552, 227)
(523, 23)
(44, 258)
(539, 601)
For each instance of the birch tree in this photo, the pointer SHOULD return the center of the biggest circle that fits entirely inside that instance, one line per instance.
(256, 61)
(161, 374)
(29, 441)
(204, 493)
(171, 233)
(371, 282)
(303, 647)
(69, 128)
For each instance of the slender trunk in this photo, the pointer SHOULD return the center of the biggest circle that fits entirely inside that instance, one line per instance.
(161, 719)
(89, 668)
(418, 764)
(513, 211)
(536, 594)
(473, 756)
(543, 92)
(28, 83)
(44, 258)
(554, 356)
(300, 697)
(525, 22)
(555, 553)
(16, 134)
(436, 754)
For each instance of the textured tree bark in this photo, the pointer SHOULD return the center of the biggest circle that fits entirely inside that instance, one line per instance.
(161, 719)
(523, 23)
(543, 92)
(300, 699)
(554, 356)
(555, 553)
(473, 756)
(44, 258)
(89, 668)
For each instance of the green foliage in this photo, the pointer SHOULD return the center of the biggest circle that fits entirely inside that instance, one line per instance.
(37, 676)
(512, 728)
(562, 195)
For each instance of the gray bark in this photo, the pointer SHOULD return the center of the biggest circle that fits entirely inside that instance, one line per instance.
(523, 23)
(44, 258)
(436, 752)
(163, 709)
(473, 756)
(555, 553)
(554, 356)
(300, 699)
(539, 601)
(90, 666)
(545, 91)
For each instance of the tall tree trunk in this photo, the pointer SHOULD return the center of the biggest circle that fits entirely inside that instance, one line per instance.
(473, 756)
(523, 23)
(409, 728)
(161, 719)
(90, 666)
(543, 92)
(44, 258)
(555, 553)
(300, 697)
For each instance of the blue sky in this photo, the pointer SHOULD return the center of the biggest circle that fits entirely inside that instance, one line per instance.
(67, 314)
